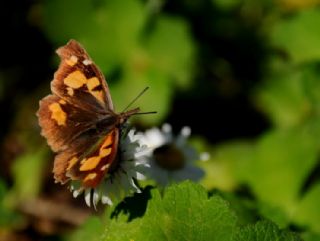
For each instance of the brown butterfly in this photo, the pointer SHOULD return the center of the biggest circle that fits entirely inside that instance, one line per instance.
(78, 119)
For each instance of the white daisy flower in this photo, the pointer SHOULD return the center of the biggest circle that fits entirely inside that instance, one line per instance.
(170, 157)
(121, 181)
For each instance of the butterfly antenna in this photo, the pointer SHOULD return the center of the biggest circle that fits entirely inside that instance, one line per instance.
(135, 99)
(145, 113)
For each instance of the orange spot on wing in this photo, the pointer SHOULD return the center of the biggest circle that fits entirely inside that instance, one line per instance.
(58, 114)
(70, 91)
(83, 161)
(98, 94)
(72, 162)
(108, 141)
(75, 80)
(105, 152)
(100, 161)
(92, 83)
(62, 102)
(90, 177)
(90, 163)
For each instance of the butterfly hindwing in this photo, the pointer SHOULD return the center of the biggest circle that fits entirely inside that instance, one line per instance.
(90, 166)
(71, 156)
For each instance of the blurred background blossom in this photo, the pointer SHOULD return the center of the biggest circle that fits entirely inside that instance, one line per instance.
(243, 74)
(171, 158)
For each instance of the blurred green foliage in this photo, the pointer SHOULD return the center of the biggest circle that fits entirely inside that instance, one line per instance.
(299, 35)
(91, 230)
(27, 186)
(8, 217)
(276, 166)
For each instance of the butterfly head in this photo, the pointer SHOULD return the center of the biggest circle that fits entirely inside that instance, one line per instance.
(124, 116)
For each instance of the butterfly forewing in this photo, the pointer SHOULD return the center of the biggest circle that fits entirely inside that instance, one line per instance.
(62, 122)
(79, 81)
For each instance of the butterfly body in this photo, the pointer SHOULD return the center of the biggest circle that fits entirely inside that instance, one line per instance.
(78, 119)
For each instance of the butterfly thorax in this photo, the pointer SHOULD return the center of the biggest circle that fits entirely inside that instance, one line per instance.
(111, 120)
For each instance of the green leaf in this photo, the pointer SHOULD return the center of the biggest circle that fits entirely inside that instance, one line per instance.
(27, 175)
(299, 35)
(171, 49)
(61, 23)
(91, 230)
(275, 168)
(228, 166)
(290, 95)
(184, 213)
(308, 212)
(282, 162)
(119, 25)
(157, 98)
(275, 213)
(109, 30)
(264, 230)
(227, 4)
(8, 217)
(310, 236)
(283, 97)
(244, 208)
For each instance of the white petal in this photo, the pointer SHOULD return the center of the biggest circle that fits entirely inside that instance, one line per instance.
(183, 136)
(140, 176)
(141, 167)
(133, 186)
(96, 197)
(154, 138)
(204, 156)
(87, 197)
(135, 174)
(76, 193)
(106, 200)
(186, 131)
(144, 161)
(166, 127)
(167, 132)
(131, 135)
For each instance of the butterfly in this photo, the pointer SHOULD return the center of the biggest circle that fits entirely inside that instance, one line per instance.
(78, 119)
